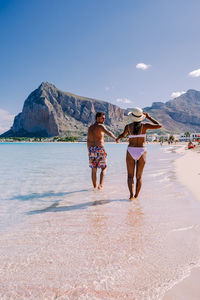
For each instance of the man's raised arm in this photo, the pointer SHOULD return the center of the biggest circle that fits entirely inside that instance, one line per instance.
(107, 132)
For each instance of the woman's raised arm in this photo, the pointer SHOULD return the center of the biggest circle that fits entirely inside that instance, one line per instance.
(155, 124)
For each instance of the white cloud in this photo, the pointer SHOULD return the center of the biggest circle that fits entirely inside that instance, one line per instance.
(143, 66)
(177, 94)
(195, 73)
(107, 88)
(123, 100)
(6, 120)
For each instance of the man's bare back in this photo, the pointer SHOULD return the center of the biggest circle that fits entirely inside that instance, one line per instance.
(96, 135)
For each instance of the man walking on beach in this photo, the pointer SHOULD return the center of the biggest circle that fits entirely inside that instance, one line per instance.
(97, 153)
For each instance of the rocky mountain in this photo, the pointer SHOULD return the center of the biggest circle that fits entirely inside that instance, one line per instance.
(49, 111)
(180, 114)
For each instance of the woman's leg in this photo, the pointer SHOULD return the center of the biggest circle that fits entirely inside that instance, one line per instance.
(139, 171)
(130, 163)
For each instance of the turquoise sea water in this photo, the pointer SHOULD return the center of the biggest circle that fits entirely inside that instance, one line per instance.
(35, 175)
(106, 246)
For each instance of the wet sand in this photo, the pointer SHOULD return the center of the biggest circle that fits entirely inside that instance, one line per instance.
(187, 289)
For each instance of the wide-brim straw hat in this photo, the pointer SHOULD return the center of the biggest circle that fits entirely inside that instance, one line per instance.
(137, 114)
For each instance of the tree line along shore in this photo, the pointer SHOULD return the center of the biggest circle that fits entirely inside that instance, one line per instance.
(170, 138)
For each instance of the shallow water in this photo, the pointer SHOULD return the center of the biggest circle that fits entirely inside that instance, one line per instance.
(60, 239)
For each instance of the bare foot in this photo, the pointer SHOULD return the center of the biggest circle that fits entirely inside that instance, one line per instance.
(100, 187)
(131, 197)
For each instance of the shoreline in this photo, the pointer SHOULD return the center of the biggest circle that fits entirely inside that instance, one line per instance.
(187, 169)
(186, 289)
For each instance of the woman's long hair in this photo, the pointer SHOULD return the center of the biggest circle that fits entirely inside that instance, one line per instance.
(136, 127)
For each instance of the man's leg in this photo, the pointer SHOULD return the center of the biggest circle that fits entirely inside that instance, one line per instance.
(102, 177)
(94, 177)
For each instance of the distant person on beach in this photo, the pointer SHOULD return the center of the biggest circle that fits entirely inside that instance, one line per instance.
(136, 152)
(190, 145)
(97, 153)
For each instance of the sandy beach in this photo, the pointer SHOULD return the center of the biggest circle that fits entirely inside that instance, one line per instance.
(188, 169)
(188, 172)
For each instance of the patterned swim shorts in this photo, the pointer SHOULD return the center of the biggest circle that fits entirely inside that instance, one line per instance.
(97, 157)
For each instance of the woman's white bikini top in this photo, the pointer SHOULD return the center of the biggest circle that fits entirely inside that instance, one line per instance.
(136, 135)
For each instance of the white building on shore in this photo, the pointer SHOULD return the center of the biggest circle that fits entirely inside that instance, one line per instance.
(192, 137)
(195, 136)
(155, 137)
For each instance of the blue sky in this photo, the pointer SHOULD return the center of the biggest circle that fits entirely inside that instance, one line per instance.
(127, 52)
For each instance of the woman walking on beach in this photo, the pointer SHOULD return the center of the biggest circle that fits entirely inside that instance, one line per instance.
(136, 151)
